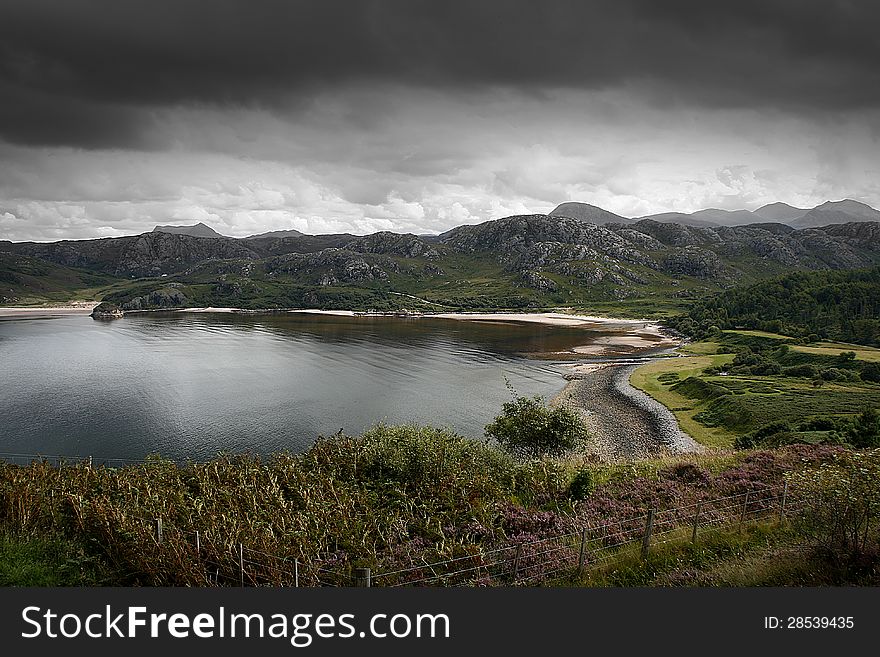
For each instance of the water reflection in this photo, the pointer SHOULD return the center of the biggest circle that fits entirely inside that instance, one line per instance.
(191, 385)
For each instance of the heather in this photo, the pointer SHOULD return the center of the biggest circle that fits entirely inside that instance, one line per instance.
(391, 498)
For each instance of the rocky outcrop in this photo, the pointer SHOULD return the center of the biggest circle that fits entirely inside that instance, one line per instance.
(386, 243)
(106, 310)
(538, 281)
(693, 261)
(166, 297)
(332, 266)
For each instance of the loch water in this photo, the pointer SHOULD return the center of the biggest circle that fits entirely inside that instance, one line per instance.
(188, 385)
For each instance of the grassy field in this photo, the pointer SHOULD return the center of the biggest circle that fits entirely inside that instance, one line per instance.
(835, 348)
(761, 334)
(716, 409)
(862, 352)
(655, 379)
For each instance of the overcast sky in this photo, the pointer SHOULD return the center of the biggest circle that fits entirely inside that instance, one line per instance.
(411, 115)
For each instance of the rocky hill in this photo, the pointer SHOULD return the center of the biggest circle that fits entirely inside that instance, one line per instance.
(196, 230)
(588, 213)
(524, 260)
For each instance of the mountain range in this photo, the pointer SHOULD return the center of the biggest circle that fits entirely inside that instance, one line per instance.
(830, 212)
(519, 261)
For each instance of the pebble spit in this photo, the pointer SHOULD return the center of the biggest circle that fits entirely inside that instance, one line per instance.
(625, 422)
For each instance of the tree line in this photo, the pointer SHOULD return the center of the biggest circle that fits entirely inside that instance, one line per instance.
(827, 305)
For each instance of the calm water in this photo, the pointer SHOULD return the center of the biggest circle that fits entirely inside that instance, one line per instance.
(188, 386)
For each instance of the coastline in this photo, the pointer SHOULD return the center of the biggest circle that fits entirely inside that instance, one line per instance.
(626, 423)
(53, 310)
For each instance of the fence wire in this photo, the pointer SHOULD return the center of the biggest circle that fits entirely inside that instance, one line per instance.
(205, 558)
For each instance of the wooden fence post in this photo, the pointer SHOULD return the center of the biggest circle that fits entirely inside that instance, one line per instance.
(296, 573)
(198, 544)
(362, 577)
(159, 531)
(742, 515)
(696, 522)
(646, 540)
(782, 506)
(583, 551)
(516, 561)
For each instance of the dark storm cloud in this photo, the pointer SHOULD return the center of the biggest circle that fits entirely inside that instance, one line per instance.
(77, 72)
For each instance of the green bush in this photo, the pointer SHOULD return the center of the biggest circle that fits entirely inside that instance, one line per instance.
(871, 372)
(528, 428)
(761, 437)
(865, 431)
(582, 485)
(845, 501)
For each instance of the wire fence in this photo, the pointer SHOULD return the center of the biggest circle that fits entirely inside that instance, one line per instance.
(573, 553)
(205, 557)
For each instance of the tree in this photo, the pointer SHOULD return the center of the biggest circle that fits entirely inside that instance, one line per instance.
(528, 428)
(866, 429)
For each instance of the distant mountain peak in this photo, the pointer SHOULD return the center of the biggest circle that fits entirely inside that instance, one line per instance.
(780, 212)
(590, 213)
(276, 234)
(837, 212)
(196, 230)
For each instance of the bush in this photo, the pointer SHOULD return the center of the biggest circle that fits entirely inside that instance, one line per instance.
(582, 485)
(833, 374)
(527, 428)
(865, 431)
(871, 372)
(763, 436)
(844, 500)
(807, 371)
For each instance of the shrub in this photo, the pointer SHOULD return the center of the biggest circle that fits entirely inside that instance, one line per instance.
(871, 372)
(582, 485)
(528, 428)
(687, 473)
(865, 431)
(833, 374)
(807, 371)
(761, 437)
(844, 500)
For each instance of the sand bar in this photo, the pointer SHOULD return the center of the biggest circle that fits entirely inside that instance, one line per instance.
(25, 312)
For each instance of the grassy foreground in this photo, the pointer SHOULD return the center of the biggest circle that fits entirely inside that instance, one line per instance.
(392, 498)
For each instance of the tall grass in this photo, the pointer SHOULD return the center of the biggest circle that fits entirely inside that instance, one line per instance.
(393, 497)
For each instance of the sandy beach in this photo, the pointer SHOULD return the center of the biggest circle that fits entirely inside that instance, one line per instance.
(24, 312)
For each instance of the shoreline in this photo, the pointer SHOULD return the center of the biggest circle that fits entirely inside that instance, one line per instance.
(54, 310)
(625, 422)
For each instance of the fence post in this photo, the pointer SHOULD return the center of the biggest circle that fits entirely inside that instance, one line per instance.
(646, 541)
(583, 550)
(198, 544)
(296, 573)
(782, 506)
(516, 561)
(241, 562)
(742, 515)
(159, 531)
(696, 522)
(362, 577)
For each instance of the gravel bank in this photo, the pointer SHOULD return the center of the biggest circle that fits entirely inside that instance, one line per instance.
(626, 423)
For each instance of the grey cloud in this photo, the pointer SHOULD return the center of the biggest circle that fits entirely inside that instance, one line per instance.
(94, 61)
